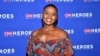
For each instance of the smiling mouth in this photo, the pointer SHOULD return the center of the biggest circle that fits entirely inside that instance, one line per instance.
(49, 20)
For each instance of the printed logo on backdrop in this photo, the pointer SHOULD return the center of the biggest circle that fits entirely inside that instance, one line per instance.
(6, 16)
(91, 30)
(7, 51)
(69, 31)
(33, 16)
(78, 15)
(91, 0)
(58, 1)
(83, 47)
(19, 1)
(16, 33)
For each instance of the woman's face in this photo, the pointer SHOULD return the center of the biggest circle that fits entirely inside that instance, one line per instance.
(49, 15)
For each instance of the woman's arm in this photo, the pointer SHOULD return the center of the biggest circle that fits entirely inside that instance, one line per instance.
(68, 48)
(29, 49)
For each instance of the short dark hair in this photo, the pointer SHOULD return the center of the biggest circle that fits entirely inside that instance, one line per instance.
(52, 5)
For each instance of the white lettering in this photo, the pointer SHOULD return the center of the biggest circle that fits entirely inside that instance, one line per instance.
(83, 47)
(7, 51)
(69, 31)
(6, 16)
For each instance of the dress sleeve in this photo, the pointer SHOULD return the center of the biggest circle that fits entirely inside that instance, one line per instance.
(68, 48)
(29, 49)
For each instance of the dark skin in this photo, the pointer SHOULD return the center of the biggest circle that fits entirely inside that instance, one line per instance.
(49, 31)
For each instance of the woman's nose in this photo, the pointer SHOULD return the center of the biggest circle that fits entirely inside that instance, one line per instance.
(49, 16)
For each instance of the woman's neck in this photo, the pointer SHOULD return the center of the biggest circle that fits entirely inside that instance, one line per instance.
(49, 27)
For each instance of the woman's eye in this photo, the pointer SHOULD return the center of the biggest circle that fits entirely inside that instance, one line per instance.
(53, 14)
(46, 13)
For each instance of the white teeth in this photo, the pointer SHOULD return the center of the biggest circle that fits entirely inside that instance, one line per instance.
(48, 20)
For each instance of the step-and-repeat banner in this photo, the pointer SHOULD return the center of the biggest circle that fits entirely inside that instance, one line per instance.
(80, 18)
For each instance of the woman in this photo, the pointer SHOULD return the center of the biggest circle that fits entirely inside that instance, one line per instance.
(49, 40)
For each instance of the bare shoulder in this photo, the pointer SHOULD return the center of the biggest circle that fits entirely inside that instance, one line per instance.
(62, 33)
(35, 32)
